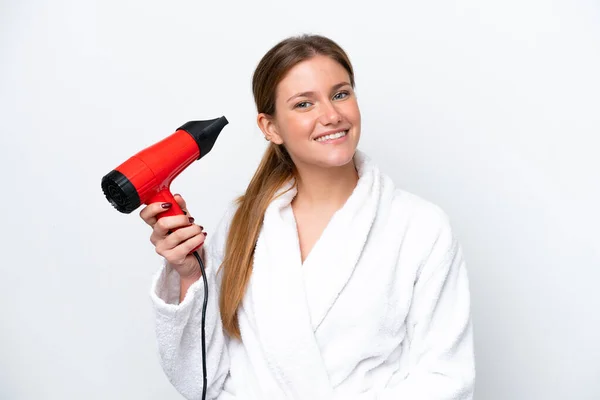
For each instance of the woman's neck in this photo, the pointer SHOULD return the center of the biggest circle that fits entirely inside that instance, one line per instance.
(325, 188)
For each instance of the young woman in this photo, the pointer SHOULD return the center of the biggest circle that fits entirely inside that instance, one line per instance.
(326, 281)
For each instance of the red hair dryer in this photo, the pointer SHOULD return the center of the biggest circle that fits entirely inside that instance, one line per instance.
(146, 177)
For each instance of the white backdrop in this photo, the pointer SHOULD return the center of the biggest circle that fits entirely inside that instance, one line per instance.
(491, 109)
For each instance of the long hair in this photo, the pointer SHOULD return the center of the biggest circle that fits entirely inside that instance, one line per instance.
(275, 169)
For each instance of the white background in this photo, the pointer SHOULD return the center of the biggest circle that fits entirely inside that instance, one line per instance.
(491, 109)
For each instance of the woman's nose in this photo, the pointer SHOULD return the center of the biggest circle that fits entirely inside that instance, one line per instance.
(330, 115)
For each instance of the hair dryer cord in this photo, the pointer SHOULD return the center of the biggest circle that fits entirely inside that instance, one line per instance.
(203, 319)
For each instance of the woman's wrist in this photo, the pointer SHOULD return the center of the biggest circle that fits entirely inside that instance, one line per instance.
(186, 281)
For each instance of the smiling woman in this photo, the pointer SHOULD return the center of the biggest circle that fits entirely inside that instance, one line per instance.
(332, 283)
(327, 114)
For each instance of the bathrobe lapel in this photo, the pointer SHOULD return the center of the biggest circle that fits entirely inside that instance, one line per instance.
(289, 300)
(279, 307)
(334, 257)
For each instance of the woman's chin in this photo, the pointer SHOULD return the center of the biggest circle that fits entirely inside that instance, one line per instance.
(337, 157)
(326, 156)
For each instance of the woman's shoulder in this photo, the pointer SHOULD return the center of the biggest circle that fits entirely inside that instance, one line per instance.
(418, 205)
(406, 209)
(423, 216)
(402, 201)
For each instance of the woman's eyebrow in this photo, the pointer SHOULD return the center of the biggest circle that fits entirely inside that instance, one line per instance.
(311, 93)
(339, 85)
(301, 95)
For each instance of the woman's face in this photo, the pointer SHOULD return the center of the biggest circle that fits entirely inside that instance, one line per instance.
(317, 117)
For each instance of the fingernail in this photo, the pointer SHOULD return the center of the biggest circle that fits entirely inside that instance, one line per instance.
(184, 212)
(201, 227)
(191, 219)
(166, 205)
(204, 234)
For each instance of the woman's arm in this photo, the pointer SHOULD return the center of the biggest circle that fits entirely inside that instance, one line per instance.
(178, 323)
(178, 333)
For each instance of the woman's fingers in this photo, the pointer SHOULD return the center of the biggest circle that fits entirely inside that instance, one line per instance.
(165, 225)
(150, 212)
(174, 236)
(181, 235)
(181, 203)
(176, 246)
(178, 254)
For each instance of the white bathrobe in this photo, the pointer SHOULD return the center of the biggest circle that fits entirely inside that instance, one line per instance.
(379, 310)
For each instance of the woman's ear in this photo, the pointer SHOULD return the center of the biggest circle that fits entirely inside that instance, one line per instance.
(269, 128)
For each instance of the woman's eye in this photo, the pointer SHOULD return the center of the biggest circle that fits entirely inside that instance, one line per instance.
(340, 95)
(302, 104)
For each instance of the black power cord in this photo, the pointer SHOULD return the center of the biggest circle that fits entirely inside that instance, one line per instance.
(204, 380)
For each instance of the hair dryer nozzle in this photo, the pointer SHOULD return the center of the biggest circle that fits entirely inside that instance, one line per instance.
(120, 192)
(205, 133)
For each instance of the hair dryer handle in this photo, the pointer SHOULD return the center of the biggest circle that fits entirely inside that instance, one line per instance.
(165, 196)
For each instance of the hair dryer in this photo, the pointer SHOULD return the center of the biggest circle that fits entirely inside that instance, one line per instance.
(146, 177)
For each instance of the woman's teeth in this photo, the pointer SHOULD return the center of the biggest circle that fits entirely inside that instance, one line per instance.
(332, 136)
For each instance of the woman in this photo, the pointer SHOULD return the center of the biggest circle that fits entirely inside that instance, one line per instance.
(326, 281)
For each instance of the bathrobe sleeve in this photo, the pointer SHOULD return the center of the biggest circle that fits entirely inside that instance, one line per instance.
(179, 328)
(441, 357)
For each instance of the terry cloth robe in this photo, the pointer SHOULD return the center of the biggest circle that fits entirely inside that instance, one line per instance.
(380, 308)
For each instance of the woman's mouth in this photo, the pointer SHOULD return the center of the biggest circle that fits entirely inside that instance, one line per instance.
(333, 136)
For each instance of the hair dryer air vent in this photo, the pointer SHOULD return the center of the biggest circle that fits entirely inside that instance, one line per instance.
(120, 192)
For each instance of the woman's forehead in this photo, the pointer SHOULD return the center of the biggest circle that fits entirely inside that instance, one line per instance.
(313, 75)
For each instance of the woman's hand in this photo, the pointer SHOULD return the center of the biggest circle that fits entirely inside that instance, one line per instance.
(175, 245)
